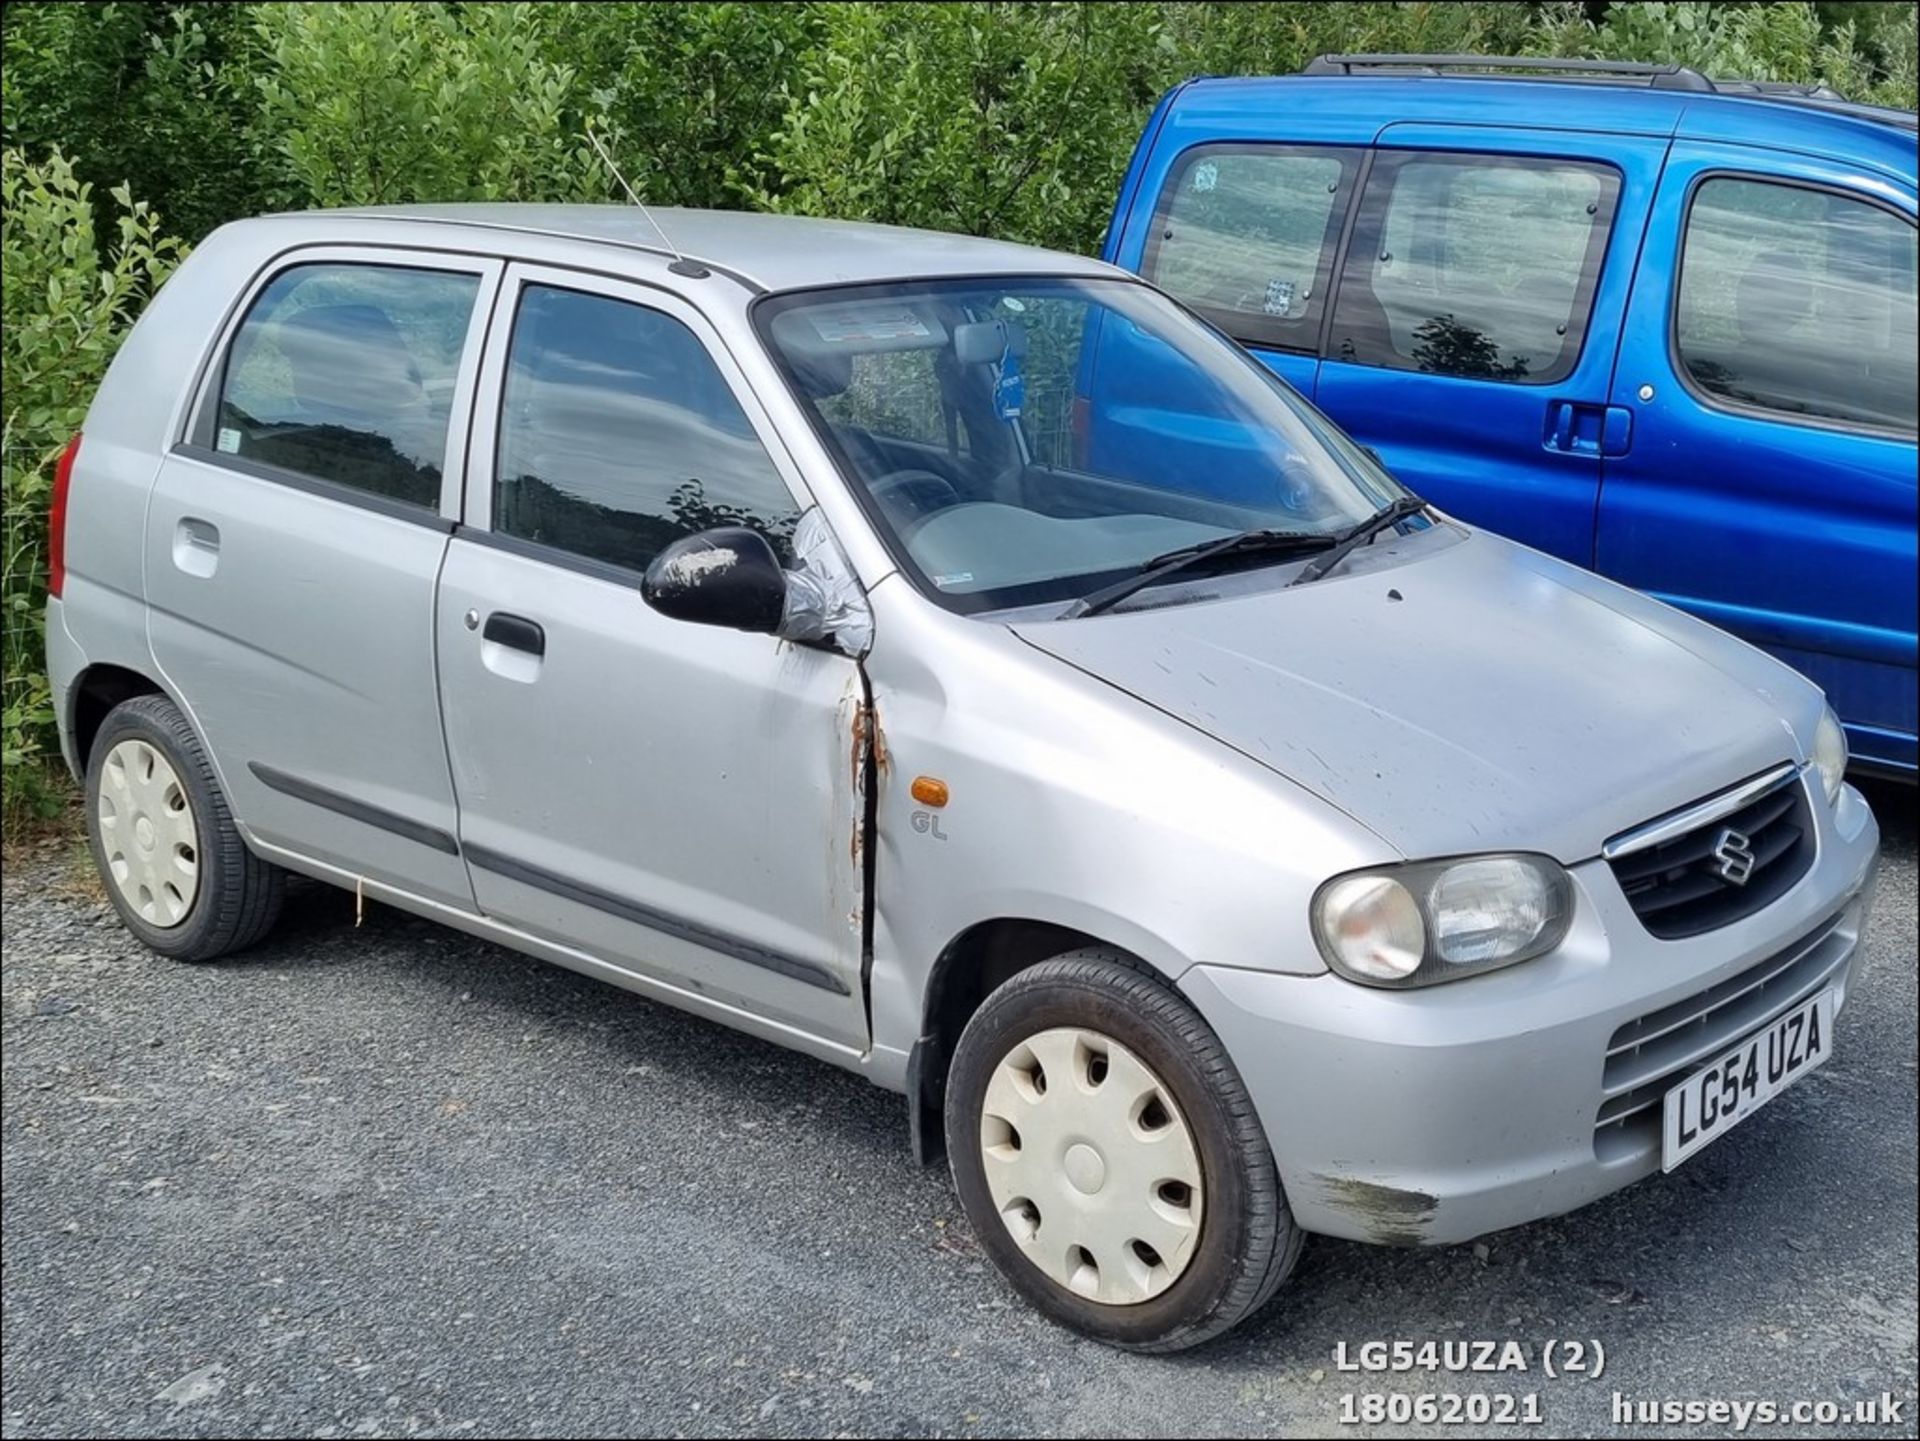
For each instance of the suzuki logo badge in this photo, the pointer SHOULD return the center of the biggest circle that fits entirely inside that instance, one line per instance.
(1735, 854)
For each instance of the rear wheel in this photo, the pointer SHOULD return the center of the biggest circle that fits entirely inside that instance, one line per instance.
(1109, 1157)
(172, 860)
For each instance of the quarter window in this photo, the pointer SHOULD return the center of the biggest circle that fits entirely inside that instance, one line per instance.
(346, 373)
(619, 435)
(1800, 302)
(1474, 265)
(1247, 235)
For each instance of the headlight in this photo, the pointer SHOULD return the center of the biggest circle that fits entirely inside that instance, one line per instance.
(1433, 921)
(1830, 754)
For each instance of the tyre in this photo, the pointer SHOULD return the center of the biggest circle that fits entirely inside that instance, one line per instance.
(1109, 1157)
(168, 852)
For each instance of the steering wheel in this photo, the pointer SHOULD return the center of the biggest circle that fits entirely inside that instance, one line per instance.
(911, 495)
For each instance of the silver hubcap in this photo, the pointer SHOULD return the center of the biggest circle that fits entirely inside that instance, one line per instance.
(147, 834)
(1091, 1166)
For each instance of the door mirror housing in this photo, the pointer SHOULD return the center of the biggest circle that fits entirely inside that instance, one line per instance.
(729, 576)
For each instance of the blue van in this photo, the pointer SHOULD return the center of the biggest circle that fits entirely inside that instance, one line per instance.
(1655, 324)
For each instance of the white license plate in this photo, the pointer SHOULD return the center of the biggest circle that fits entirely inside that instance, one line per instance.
(1703, 1108)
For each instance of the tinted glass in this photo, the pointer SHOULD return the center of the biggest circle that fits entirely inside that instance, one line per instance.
(618, 435)
(346, 373)
(1799, 301)
(1248, 234)
(1474, 265)
(1073, 472)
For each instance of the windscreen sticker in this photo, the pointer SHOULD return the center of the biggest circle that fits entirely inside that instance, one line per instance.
(1010, 390)
(842, 327)
(227, 440)
(1280, 295)
(964, 577)
(1206, 175)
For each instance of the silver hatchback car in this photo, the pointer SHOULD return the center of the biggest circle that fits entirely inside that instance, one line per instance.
(1213, 842)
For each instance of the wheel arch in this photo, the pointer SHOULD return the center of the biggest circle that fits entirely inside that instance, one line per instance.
(971, 967)
(92, 697)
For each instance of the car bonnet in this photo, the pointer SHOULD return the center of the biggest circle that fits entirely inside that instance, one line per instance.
(1478, 696)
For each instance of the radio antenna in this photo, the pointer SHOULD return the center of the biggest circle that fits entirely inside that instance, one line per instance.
(681, 265)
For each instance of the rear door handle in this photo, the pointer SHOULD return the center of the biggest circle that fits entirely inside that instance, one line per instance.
(1578, 427)
(196, 546)
(516, 632)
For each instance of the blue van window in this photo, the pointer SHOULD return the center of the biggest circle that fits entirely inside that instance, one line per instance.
(345, 373)
(1798, 301)
(1246, 234)
(619, 435)
(1480, 266)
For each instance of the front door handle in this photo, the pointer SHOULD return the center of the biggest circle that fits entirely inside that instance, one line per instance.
(515, 632)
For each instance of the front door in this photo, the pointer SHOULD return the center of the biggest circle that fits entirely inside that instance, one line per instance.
(1472, 338)
(1769, 360)
(678, 800)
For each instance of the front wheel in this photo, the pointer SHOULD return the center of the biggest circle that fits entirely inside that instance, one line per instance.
(1109, 1158)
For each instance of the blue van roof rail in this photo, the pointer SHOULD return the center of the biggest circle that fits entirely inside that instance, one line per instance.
(1603, 72)
(1657, 77)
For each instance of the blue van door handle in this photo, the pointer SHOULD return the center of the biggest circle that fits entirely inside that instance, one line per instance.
(1578, 427)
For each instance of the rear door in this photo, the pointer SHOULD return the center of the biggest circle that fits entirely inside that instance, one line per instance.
(1769, 360)
(293, 541)
(1473, 336)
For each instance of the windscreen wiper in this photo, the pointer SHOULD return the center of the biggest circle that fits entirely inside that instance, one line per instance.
(1245, 543)
(1351, 540)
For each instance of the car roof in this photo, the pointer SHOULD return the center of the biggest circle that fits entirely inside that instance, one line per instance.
(1353, 109)
(770, 252)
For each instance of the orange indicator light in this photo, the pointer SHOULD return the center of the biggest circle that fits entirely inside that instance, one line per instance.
(930, 792)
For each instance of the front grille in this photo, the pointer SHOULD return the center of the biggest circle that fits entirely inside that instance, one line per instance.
(1682, 888)
(1651, 1054)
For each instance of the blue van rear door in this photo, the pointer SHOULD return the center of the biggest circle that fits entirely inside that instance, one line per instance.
(1472, 339)
(1768, 360)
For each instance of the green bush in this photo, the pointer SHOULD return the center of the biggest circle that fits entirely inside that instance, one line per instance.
(152, 96)
(989, 119)
(67, 303)
(377, 104)
(687, 94)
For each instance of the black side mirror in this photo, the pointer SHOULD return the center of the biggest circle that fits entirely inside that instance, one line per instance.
(729, 576)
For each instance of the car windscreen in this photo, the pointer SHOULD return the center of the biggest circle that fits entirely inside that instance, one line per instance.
(1021, 439)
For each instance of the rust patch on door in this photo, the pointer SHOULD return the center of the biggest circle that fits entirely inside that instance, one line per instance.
(869, 762)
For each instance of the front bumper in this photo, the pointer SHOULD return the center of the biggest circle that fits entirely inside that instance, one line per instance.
(1431, 1116)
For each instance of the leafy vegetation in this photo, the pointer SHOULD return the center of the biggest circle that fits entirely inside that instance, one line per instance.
(69, 301)
(1014, 119)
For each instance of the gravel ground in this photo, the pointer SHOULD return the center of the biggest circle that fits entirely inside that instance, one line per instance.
(391, 1181)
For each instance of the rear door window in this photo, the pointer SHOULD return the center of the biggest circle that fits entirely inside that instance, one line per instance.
(1798, 302)
(1481, 266)
(1246, 235)
(345, 373)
